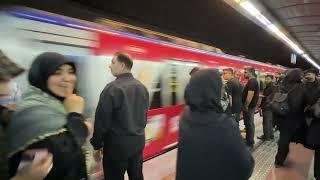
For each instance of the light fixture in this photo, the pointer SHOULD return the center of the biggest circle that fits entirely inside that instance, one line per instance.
(307, 57)
(281, 35)
(251, 9)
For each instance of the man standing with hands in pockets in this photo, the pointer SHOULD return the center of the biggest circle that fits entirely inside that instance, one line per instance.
(120, 119)
(250, 97)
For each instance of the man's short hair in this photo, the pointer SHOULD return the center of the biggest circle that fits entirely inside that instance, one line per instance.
(228, 69)
(125, 59)
(8, 69)
(251, 70)
(270, 76)
(312, 70)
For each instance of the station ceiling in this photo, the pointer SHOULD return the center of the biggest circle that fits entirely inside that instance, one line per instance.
(302, 19)
(212, 22)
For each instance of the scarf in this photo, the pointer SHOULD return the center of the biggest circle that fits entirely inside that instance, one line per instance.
(38, 115)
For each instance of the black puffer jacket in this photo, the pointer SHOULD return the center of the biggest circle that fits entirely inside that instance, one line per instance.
(209, 141)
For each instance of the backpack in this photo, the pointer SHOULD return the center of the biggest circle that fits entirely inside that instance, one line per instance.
(279, 103)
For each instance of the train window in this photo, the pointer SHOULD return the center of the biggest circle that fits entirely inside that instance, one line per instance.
(149, 74)
(173, 79)
(260, 79)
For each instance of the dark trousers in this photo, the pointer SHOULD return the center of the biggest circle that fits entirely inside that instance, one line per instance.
(316, 167)
(283, 146)
(248, 118)
(115, 168)
(275, 121)
(267, 123)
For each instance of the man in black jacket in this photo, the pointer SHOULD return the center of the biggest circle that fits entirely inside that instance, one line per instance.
(120, 120)
(234, 89)
(267, 113)
(312, 94)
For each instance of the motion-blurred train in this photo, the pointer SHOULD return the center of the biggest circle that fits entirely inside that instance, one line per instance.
(162, 66)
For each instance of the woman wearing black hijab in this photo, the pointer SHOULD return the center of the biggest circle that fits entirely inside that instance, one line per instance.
(292, 125)
(210, 145)
(50, 117)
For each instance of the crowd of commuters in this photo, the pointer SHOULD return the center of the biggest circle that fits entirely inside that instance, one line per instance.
(300, 93)
(42, 137)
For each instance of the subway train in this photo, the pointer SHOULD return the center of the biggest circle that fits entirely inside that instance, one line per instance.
(163, 67)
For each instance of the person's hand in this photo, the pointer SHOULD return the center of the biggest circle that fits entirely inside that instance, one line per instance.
(89, 125)
(74, 103)
(37, 170)
(97, 154)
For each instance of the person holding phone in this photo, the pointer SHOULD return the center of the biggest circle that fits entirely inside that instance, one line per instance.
(49, 117)
(36, 170)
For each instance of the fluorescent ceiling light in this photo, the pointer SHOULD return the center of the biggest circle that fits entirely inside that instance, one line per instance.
(263, 20)
(248, 6)
(280, 34)
(307, 57)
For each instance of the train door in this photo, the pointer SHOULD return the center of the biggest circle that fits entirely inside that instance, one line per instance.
(174, 78)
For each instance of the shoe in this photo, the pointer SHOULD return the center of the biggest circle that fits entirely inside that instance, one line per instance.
(278, 165)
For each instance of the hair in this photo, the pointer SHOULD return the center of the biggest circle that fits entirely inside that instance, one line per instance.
(251, 70)
(8, 69)
(228, 69)
(195, 69)
(312, 70)
(125, 59)
(270, 76)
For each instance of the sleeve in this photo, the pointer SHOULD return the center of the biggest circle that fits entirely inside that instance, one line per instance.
(227, 87)
(103, 117)
(252, 85)
(77, 128)
(241, 155)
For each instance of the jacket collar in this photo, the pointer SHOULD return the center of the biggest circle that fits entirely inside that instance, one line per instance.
(125, 75)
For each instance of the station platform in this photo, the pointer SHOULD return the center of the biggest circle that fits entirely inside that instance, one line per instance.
(297, 167)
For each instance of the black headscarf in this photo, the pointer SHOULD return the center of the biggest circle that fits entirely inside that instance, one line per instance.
(293, 76)
(203, 93)
(45, 65)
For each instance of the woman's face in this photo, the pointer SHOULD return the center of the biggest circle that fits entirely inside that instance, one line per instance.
(62, 82)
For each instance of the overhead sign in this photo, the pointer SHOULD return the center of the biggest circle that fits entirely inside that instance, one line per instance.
(293, 59)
